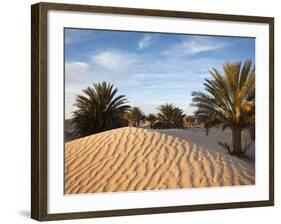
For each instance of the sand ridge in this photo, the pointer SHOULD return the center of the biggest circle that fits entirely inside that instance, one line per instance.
(135, 159)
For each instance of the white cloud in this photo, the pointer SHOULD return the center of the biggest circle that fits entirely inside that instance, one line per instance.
(195, 45)
(78, 76)
(114, 60)
(68, 40)
(145, 41)
(201, 44)
(76, 64)
(75, 36)
(76, 68)
(76, 71)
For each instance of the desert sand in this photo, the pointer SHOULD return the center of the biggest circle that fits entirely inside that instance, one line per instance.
(135, 159)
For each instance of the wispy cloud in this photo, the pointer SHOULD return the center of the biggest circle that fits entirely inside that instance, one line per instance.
(76, 64)
(114, 60)
(68, 40)
(195, 45)
(76, 71)
(74, 36)
(145, 41)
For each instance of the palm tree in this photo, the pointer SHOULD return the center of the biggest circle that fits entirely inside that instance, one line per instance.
(229, 101)
(151, 118)
(166, 115)
(135, 116)
(188, 121)
(99, 109)
(178, 118)
(170, 116)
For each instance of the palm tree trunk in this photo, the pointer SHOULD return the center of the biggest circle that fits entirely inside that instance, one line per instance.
(252, 132)
(236, 141)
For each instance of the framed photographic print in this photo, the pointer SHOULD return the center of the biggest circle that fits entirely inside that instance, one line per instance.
(138, 111)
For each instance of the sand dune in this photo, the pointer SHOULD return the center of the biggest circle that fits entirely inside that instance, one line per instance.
(210, 141)
(133, 159)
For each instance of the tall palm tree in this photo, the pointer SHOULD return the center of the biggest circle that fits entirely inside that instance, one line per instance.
(99, 109)
(229, 101)
(170, 116)
(151, 118)
(135, 116)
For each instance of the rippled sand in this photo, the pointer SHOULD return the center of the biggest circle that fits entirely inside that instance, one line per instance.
(135, 159)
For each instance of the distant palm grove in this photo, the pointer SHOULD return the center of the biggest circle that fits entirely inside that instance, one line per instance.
(227, 102)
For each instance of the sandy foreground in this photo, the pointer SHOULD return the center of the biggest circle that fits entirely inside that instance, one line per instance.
(134, 159)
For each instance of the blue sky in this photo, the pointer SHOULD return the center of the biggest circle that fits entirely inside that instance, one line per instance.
(149, 68)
